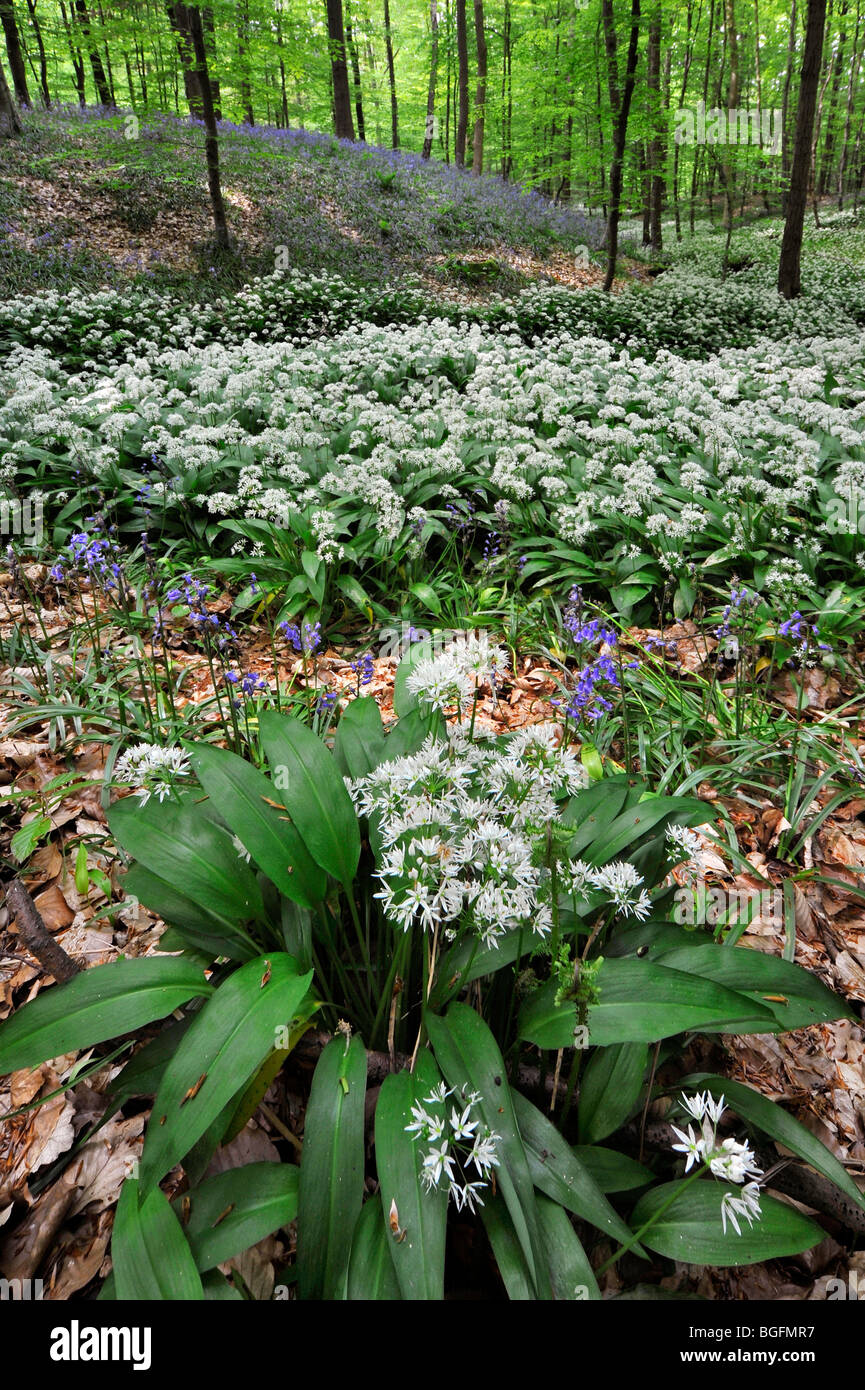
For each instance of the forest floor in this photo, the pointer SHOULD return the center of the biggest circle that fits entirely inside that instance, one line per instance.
(84, 209)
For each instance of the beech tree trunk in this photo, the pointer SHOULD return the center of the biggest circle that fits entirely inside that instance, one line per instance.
(480, 91)
(355, 74)
(431, 89)
(620, 105)
(789, 266)
(17, 66)
(211, 136)
(391, 78)
(103, 91)
(43, 61)
(342, 122)
(10, 122)
(462, 85)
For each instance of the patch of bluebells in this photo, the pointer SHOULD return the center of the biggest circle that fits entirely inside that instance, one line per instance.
(364, 669)
(306, 640)
(597, 678)
(805, 633)
(247, 685)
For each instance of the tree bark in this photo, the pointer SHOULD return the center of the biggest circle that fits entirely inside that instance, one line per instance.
(103, 91)
(43, 61)
(620, 105)
(391, 78)
(13, 49)
(431, 89)
(211, 136)
(10, 121)
(179, 17)
(480, 91)
(342, 122)
(355, 75)
(462, 85)
(789, 266)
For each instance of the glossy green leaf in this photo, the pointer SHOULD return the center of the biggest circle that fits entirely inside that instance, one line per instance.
(419, 1256)
(311, 788)
(690, 1229)
(610, 1088)
(508, 1252)
(359, 743)
(203, 931)
(150, 1255)
(794, 995)
(469, 1056)
(224, 1046)
(331, 1170)
(177, 841)
(558, 1172)
(244, 797)
(571, 1274)
(371, 1275)
(612, 1171)
(642, 1002)
(103, 1002)
(231, 1211)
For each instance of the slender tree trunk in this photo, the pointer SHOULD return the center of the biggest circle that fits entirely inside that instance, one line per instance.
(103, 91)
(43, 61)
(211, 135)
(355, 76)
(180, 19)
(243, 61)
(851, 89)
(462, 84)
(789, 267)
(829, 142)
(480, 90)
(785, 109)
(14, 52)
(343, 125)
(655, 150)
(620, 106)
(10, 121)
(391, 78)
(429, 129)
(208, 28)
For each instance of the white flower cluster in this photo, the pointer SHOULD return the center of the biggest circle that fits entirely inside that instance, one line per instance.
(463, 828)
(454, 677)
(457, 1143)
(731, 1160)
(151, 769)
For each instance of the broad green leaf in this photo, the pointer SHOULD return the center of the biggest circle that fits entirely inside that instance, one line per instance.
(228, 1213)
(311, 788)
(508, 1252)
(331, 1170)
(418, 1257)
(642, 1002)
(179, 843)
(218, 1290)
(103, 1002)
(371, 1275)
(611, 1087)
(143, 1072)
(612, 1171)
(222, 1049)
(403, 702)
(795, 996)
(571, 1275)
(773, 1120)
(633, 824)
(690, 1229)
(203, 931)
(557, 1171)
(469, 1056)
(150, 1255)
(245, 800)
(359, 743)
